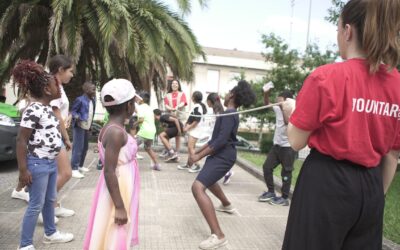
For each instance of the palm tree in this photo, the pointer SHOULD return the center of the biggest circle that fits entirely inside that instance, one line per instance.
(134, 39)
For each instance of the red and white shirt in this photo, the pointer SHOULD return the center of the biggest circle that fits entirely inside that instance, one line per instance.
(353, 115)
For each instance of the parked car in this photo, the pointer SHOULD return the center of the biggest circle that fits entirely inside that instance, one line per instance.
(9, 125)
(242, 144)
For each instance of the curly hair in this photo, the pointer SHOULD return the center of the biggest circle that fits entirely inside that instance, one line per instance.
(243, 94)
(30, 78)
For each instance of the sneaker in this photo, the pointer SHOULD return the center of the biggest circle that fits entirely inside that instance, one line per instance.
(227, 177)
(23, 195)
(194, 169)
(266, 196)
(163, 154)
(99, 165)
(63, 212)
(156, 167)
(279, 201)
(228, 209)
(58, 237)
(139, 157)
(172, 157)
(30, 247)
(183, 167)
(83, 169)
(77, 174)
(213, 242)
(40, 219)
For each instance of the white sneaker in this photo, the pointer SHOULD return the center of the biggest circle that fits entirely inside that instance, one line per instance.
(139, 157)
(83, 169)
(213, 242)
(77, 174)
(23, 195)
(40, 219)
(63, 212)
(58, 237)
(30, 247)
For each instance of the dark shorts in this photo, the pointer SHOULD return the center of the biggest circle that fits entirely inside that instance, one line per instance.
(336, 204)
(173, 131)
(147, 142)
(216, 166)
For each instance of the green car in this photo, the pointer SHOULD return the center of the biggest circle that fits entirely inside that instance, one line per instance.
(9, 125)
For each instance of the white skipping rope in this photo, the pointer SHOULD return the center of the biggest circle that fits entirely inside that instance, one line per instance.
(234, 113)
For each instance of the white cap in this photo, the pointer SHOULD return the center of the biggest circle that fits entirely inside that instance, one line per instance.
(121, 90)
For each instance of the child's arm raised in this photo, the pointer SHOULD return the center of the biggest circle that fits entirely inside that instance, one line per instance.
(115, 139)
(25, 176)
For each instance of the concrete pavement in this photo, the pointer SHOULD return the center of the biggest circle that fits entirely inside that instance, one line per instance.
(169, 215)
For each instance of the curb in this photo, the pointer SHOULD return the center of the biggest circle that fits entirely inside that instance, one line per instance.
(253, 170)
(256, 172)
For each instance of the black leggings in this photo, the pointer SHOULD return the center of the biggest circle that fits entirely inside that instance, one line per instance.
(335, 205)
(284, 156)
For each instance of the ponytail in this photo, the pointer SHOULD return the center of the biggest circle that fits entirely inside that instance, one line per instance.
(378, 24)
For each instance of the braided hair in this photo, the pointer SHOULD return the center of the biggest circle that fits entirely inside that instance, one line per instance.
(30, 78)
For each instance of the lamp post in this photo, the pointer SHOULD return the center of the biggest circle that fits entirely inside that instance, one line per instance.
(308, 25)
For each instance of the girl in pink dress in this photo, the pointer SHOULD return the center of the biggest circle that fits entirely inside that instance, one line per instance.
(113, 219)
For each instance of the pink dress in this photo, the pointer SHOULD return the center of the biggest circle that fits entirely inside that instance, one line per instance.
(102, 232)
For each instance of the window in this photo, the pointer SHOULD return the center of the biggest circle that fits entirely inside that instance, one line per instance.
(212, 81)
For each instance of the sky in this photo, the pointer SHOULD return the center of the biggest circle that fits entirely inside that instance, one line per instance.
(239, 24)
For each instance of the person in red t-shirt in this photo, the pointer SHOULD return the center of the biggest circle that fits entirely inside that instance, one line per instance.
(348, 114)
(175, 103)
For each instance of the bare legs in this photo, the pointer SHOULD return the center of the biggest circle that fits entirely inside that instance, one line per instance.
(64, 169)
(165, 140)
(206, 206)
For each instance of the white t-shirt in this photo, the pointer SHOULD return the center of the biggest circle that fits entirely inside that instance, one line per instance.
(87, 124)
(62, 104)
(280, 135)
(45, 141)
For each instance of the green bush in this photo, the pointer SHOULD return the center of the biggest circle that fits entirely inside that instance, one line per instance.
(266, 145)
(251, 136)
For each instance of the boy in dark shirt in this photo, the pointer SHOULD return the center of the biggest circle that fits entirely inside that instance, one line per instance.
(172, 128)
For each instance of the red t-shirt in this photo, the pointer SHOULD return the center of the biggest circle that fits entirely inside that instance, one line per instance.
(175, 99)
(352, 114)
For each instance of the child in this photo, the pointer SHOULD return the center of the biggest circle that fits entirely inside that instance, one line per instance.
(172, 128)
(147, 128)
(38, 144)
(113, 218)
(214, 102)
(82, 116)
(195, 128)
(221, 154)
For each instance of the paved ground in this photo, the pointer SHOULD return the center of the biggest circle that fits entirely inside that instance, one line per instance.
(169, 216)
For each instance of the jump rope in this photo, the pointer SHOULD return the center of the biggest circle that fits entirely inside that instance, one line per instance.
(233, 113)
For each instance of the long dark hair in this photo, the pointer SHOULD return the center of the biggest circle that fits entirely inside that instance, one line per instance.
(169, 88)
(59, 61)
(197, 98)
(215, 103)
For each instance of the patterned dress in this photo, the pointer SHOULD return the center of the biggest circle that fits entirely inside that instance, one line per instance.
(102, 232)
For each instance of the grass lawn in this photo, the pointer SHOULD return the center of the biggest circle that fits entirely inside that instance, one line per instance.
(391, 223)
(391, 228)
(258, 160)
